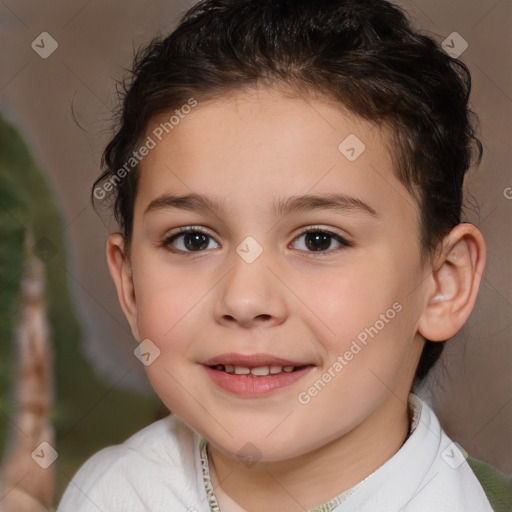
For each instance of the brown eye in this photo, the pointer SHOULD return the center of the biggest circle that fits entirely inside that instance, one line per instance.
(188, 240)
(322, 241)
(318, 241)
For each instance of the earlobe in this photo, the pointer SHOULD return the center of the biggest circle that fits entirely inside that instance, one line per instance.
(118, 261)
(455, 278)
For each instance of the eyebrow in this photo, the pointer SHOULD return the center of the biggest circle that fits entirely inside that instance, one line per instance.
(281, 207)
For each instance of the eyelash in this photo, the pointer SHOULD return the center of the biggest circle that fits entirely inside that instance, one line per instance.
(344, 244)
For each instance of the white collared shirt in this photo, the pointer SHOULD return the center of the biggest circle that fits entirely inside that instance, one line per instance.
(164, 468)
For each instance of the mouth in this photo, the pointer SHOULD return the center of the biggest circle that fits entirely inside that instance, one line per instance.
(256, 371)
(254, 375)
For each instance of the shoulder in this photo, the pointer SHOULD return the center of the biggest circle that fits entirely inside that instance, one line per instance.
(153, 465)
(453, 476)
(166, 441)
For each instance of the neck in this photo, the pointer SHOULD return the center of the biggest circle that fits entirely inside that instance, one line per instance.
(300, 483)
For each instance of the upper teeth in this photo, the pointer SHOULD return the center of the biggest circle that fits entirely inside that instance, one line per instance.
(258, 370)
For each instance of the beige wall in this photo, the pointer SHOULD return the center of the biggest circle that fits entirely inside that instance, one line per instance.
(474, 392)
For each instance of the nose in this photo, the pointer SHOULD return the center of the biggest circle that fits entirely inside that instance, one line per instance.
(250, 295)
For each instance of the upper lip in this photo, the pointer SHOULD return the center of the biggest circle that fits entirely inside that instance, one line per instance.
(252, 360)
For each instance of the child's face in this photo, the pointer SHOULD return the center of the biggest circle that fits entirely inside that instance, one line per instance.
(216, 299)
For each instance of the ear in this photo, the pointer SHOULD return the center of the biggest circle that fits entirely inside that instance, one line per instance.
(118, 260)
(455, 281)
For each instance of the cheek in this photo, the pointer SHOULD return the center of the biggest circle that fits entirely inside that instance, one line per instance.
(165, 302)
(366, 314)
(167, 315)
(349, 301)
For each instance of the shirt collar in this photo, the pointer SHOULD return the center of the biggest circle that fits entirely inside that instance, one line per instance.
(415, 407)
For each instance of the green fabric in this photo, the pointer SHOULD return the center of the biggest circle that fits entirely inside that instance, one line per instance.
(496, 485)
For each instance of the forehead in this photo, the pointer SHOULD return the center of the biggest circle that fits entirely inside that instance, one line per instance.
(249, 148)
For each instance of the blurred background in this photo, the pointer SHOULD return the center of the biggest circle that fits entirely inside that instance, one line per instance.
(59, 63)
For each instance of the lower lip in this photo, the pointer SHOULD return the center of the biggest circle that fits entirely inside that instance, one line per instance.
(250, 386)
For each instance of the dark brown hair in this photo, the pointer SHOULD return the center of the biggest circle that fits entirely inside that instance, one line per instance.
(363, 54)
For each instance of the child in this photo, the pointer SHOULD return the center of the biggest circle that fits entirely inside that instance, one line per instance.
(288, 181)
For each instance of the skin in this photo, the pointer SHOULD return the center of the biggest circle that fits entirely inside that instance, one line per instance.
(247, 149)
